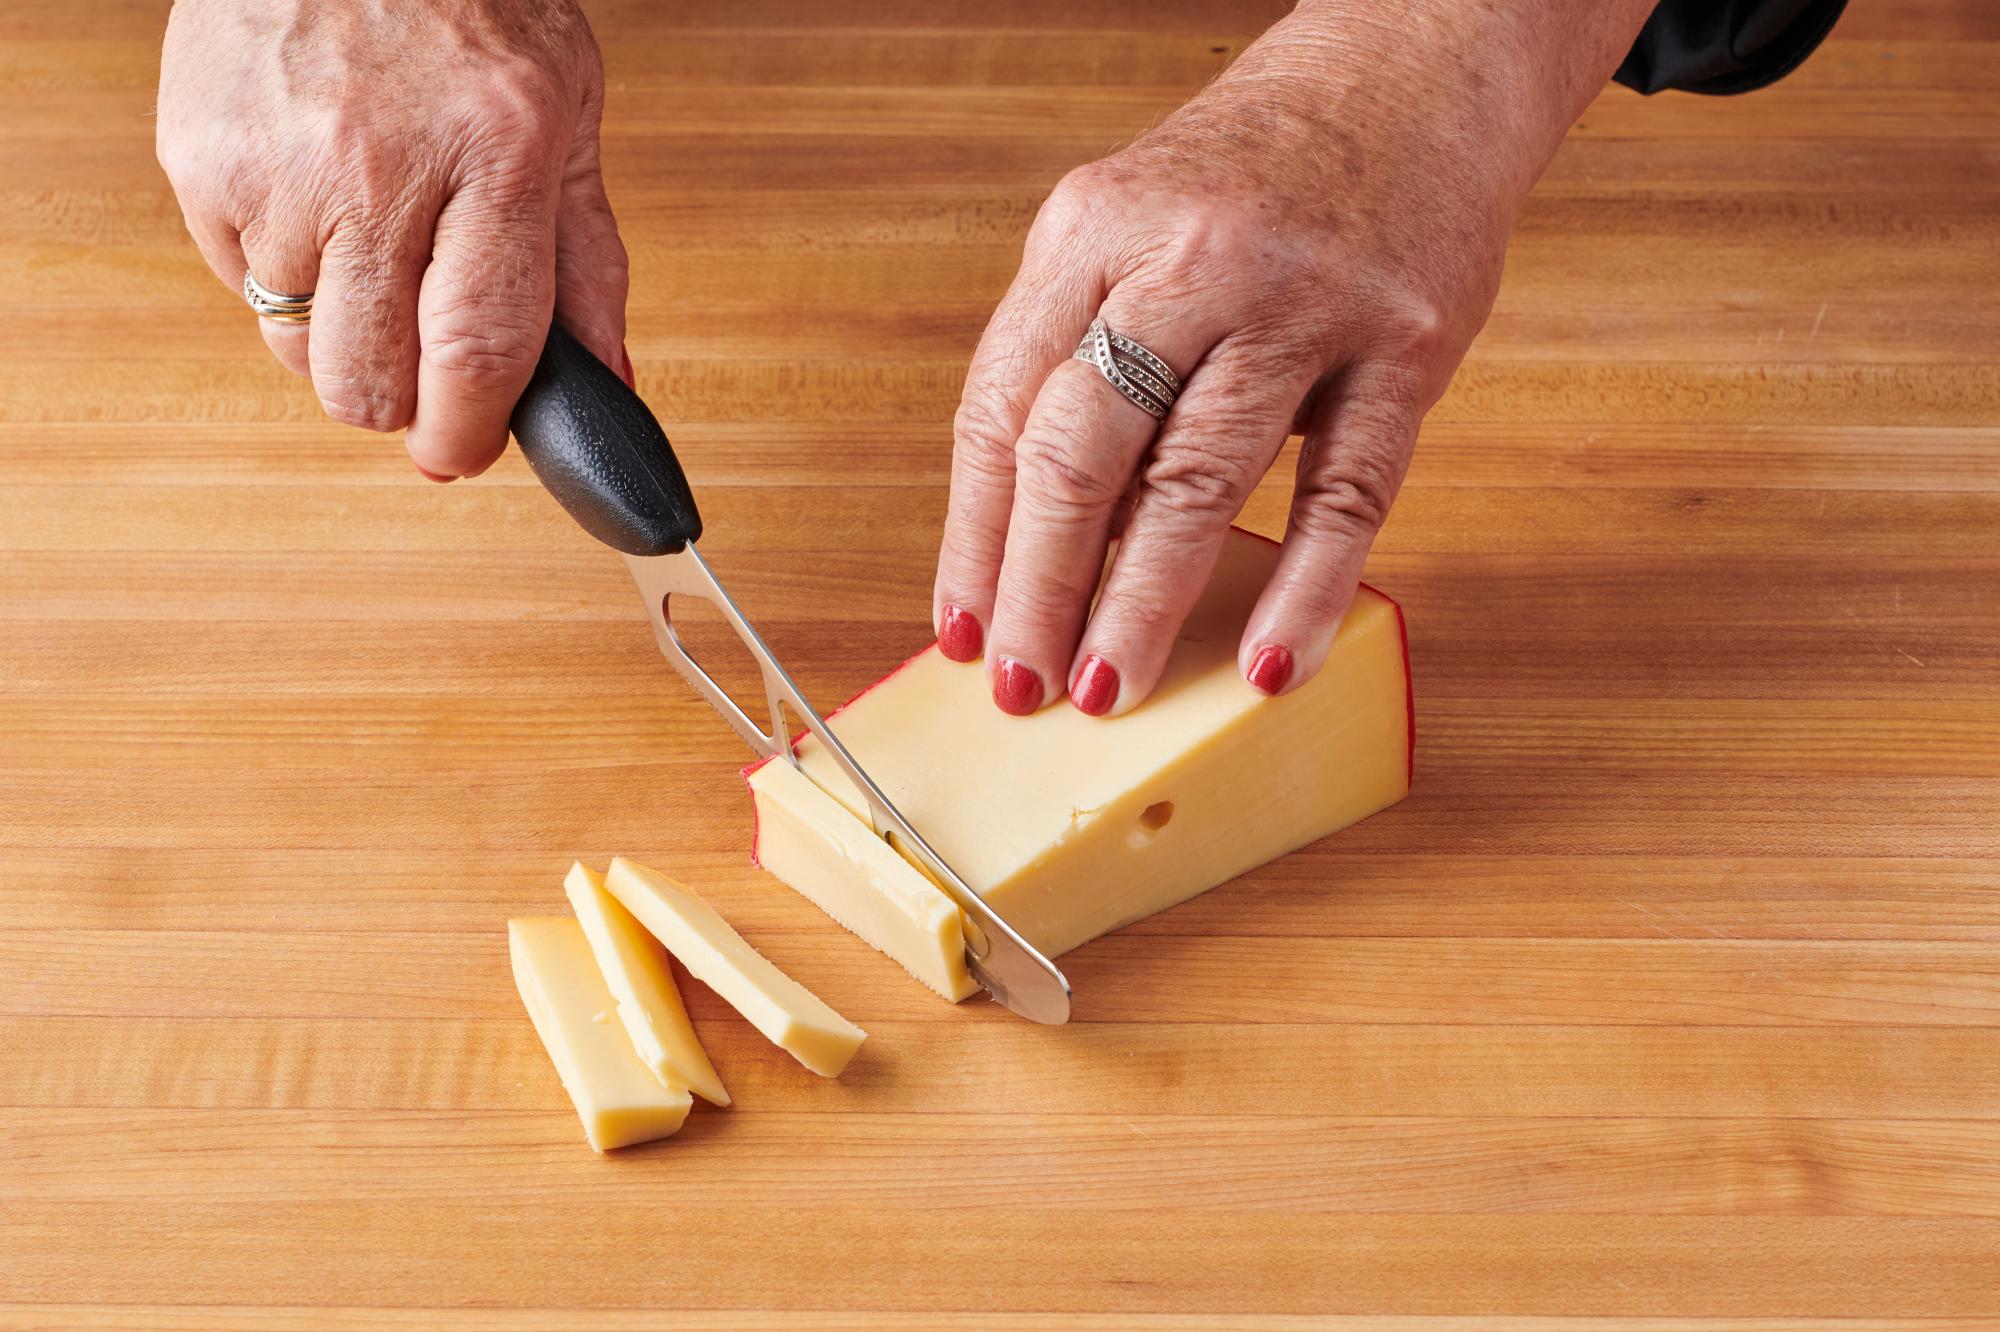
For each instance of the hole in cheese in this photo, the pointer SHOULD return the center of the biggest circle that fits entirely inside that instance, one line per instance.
(1054, 819)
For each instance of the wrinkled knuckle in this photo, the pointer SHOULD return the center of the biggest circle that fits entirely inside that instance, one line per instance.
(1199, 482)
(1217, 234)
(1414, 334)
(1149, 612)
(1056, 471)
(978, 429)
(524, 87)
(1042, 597)
(368, 406)
(1356, 504)
(483, 355)
(345, 137)
(522, 102)
(1194, 494)
(977, 474)
(204, 176)
(1206, 243)
(1074, 201)
(374, 191)
(335, 127)
(176, 156)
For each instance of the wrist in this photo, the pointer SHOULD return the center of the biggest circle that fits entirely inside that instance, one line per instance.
(1511, 78)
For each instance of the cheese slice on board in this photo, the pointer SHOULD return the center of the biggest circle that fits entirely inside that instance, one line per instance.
(616, 1096)
(635, 970)
(791, 1016)
(1072, 826)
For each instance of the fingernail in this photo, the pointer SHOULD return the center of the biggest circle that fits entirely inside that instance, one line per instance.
(434, 476)
(1096, 687)
(1271, 667)
(959, 634)
(625, 368)
(1016, 688)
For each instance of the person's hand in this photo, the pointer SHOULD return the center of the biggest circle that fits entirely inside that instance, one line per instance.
(429, 172)
(1311, 244)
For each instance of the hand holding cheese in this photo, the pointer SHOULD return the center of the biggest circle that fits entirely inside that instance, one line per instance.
(1072, 826)
(1311, 244)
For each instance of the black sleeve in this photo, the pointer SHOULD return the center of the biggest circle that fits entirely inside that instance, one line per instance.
(1725, 46)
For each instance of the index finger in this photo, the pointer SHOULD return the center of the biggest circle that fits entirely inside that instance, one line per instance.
(1032, 331)
(1077, 457)
(482, 316)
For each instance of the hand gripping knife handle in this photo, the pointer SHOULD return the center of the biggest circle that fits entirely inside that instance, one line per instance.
(600, 451)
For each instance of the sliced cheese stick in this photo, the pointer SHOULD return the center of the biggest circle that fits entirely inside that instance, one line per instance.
(791, 1016)
(636, 972)
(616, 1096)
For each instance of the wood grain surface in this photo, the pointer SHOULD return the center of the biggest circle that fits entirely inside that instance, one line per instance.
(1668, 1002)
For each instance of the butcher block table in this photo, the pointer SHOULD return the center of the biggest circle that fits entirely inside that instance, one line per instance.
(1669, 999)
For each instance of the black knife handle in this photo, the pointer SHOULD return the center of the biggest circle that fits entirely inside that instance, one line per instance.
(602, 454)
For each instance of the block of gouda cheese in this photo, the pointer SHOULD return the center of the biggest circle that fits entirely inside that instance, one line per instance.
(616, 1096)
(635, 970)
(788, 1014)
(1072, 825)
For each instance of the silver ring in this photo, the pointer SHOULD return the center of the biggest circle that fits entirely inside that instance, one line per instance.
(1148, 382)
(276, 305)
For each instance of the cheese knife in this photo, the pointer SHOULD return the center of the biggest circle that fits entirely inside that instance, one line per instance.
(600, 451)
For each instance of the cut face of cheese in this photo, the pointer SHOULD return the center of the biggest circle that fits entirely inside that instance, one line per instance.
(635, 970)
(791, 1016)
(808, 839)
(616, 1096)
(1072, 826)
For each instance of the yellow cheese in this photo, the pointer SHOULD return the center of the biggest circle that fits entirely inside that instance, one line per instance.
(809, 840)
(1072, 826)
(616, 1096)
(791, 1016)
(635, 970)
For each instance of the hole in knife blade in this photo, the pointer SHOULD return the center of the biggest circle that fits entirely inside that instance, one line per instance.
(707, 637)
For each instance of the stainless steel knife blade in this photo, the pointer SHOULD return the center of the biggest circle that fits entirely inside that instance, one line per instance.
(1012, 969)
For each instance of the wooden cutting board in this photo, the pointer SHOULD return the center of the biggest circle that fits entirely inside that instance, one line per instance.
(1674, 989)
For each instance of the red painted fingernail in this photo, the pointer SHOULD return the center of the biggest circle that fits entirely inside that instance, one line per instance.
(1096, 687)
(959, 634)
(1271, 667)
(625, 368)
(1016, 688)
(434, 476)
